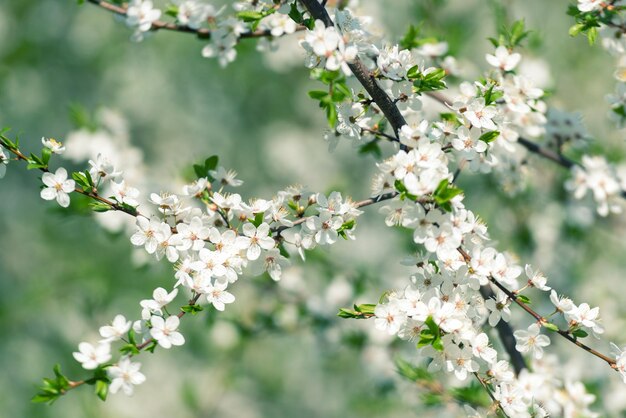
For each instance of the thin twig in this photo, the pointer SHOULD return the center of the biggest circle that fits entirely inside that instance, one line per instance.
(201, 33)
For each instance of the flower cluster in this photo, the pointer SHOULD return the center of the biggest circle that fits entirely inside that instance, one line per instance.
(460, 284)
(140, 16)
(210, 249)
(4, 161)
(605, 182)
(326, 47)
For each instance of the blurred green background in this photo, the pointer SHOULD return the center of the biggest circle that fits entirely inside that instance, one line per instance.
(280, 351)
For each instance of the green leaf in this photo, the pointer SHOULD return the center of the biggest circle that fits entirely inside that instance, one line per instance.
(371, 147)
(295, 14)
(431, 81)
(550, 326)
(250, 15)
(151, 347)
(514, 36)
(52, 389)
(359, 312)
(331, 115)
(128, 208)
(518, 33)
(45, 155)
(444, 193)
(489, 136)
(318, 94)
(192, 309)
(102, 389)
(580, 333)
(413, 73)
(211, 162)
(523, 299)
(592, 35)
(576, 29)
(431, 336)
(100, 207)
(413, 373)
(366, 308)
(449, 117)
(409, 40)
(131, 337)
(474, 394)
(342, 88)
(81, 118)
(431, 399)
(346, 226)
(172, 10)
(202, 170)
(348, 313)
(129, 349)
(400, 187)
(258, 219)
(81, 180)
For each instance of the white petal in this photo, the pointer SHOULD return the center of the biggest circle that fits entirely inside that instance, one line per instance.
(48, 193)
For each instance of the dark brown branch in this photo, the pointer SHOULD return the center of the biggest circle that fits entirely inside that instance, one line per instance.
(542, 321)
(367, 80)
(537, 149)
(505, 332)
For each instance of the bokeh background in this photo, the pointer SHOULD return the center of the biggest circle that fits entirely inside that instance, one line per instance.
(280, 351)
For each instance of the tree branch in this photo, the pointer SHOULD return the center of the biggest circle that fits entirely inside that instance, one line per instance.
(386, 105)
(202, 33)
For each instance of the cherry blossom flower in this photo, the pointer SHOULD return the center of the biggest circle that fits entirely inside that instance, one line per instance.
(58, 187)
(102, 168)
(53, 145)
(394, 63)
(536, 278)
(192, 235)
(140, 15)
(590, 5)
(125, 375)
(118, 328)
(389, 317)
(91, 357)
(481, 115)
(271, 262)
(562, 304)
(255, 239)
(481, 348)
(193, 13)
(217, 295)
(226, 177)
(460, 361)
(468, 141)
(147, 234)
(531, 341)
(123, 193)
(160, 298)
(324, 227)
(164, 331)
(4, 161)
(504, 59)
(196, 188)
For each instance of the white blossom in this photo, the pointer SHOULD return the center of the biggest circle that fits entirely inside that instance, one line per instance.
(58, 187)
(164, 331)
(53, 145)
(531, 341)
(91, 357)
(125, 375)
(118, 328)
